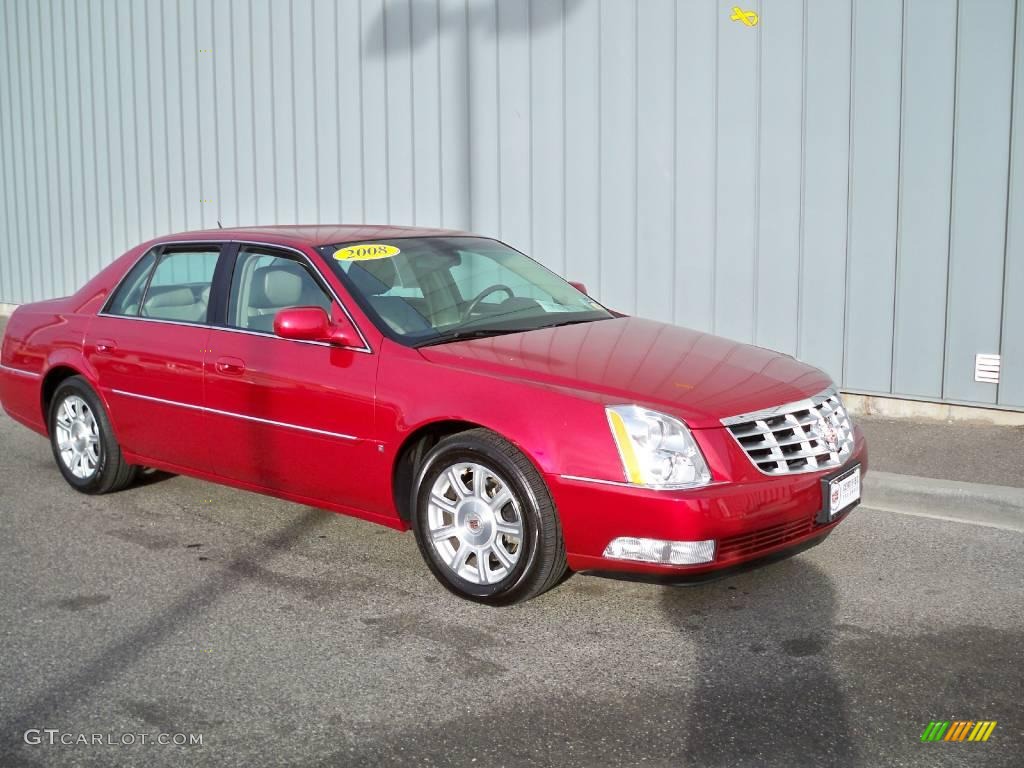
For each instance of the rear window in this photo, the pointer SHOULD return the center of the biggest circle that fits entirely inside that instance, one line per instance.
(128, 296)
(179, 289)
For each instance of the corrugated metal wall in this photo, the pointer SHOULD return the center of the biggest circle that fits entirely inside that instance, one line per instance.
(843, 181)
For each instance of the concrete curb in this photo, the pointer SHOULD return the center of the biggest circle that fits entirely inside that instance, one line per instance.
(889, 407)
(996, 506)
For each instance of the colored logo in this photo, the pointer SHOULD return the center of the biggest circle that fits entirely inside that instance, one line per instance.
(828, 429)
(958, 730)
(747, 17)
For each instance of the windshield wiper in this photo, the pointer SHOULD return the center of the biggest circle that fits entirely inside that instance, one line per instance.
(471, 333)
(479, 333)
(560, 323)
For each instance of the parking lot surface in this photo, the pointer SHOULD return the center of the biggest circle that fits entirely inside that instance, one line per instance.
(289, 636)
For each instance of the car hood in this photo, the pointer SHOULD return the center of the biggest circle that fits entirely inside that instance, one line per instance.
(697, 376)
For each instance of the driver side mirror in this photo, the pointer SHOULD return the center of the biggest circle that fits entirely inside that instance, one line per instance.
(579, 287)
(310, 324)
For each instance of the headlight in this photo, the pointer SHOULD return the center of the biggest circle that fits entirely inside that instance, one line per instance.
(656, 450)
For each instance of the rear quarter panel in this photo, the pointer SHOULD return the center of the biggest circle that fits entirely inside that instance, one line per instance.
(36, 338)
(46, 334)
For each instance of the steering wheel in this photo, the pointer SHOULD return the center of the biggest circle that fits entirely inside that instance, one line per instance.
(483, 295)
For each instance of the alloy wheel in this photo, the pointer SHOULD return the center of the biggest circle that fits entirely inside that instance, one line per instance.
(475, 523)
(78, 437)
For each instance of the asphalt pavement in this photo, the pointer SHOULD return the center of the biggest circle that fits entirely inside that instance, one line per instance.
(287, 636)
(955, 451)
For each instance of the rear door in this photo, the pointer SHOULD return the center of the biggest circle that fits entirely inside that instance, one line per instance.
(147, 347)
(286, 415)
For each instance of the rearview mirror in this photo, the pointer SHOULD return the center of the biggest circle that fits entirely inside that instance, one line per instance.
(309, 324)
(579, 287)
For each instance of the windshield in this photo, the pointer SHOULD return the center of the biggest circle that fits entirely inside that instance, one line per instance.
(427, 290)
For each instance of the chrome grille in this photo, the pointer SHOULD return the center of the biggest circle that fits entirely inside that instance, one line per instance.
(804, 436)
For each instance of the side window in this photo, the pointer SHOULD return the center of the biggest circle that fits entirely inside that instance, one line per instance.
(128, 296)
(180, 287)
(264, 283)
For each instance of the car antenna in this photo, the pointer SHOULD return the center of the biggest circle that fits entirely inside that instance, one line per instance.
(219, 225)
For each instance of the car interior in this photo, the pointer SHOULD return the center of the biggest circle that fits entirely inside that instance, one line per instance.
(185, 303)
(421, 293)
(264, 285)
(376, 278)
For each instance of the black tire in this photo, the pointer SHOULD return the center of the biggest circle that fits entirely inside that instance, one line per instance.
(111, 472)
(541, 561)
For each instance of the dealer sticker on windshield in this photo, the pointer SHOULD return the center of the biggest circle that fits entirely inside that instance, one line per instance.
(366, 252)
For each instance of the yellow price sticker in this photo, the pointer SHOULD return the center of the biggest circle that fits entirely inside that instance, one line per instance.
(366, 252)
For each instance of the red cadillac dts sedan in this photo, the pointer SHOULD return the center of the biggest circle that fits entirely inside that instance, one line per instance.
(443, 382)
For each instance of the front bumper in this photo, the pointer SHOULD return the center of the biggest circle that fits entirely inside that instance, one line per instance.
(751, 520)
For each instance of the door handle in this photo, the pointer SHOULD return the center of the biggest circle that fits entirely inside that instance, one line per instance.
(105, 345)
(230, 365)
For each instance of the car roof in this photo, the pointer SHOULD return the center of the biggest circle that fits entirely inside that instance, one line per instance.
(312, 234)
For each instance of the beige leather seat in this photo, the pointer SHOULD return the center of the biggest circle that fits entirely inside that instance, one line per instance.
(377, 277)
(178, 304)
(278, 287)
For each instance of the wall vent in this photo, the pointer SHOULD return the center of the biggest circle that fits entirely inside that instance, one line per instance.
(986, 369)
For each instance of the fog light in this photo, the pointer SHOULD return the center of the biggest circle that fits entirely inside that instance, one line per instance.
(658, 551)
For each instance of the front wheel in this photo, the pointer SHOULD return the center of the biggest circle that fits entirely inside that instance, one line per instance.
(485, 522)
(83, 442)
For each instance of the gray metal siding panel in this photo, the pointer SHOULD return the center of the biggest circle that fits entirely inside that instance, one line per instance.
(425, 119)
(281, 45)
(347, 130)
(779, 169)
(11, 258)
(151, 34)
(655, 141)
(696, 134)
(373, 113)
(582, 154)
(980, 161)
(36, 60)
(305, 107)
(28, 71)
(788, 184)
(514, 146)
(617, 221)
(397, 126)
(929, 54)
(826, 180)
(484, 99)
(874, 183)
(547, 133)
(453, 65)
(1011, 383)
(20, 139)
(736, 193)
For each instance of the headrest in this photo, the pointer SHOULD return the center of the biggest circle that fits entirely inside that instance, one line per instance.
(178, 297)
(278, 285)
(373, 277)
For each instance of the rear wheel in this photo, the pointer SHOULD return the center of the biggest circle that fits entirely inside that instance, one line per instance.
(485, 522)
(83, 442)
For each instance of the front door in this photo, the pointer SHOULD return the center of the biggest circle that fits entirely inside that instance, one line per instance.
(147, 348)
(290, 416)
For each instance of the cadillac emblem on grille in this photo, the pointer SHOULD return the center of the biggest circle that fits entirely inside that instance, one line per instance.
(828, 428)
(803, 436)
